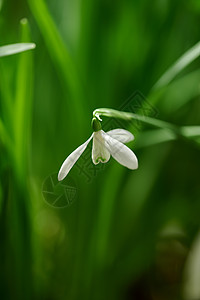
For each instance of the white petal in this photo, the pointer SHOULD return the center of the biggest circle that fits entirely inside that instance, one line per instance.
(99, 150)
(121, 152)
(15, 48)
(121, 135)
(72, 159)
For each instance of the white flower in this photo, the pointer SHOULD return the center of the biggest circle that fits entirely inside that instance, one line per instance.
(104, 145)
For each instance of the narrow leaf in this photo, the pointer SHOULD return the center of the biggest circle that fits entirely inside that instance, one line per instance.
(62, 59)
(186, 59)
(23, 105)
(15, 48)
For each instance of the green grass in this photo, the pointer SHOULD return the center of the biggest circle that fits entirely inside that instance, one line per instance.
(90, 55)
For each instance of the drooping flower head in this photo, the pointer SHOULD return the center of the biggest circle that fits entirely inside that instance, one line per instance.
(105, 144)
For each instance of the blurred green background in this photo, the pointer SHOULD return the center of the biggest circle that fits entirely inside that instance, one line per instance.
(115, 233)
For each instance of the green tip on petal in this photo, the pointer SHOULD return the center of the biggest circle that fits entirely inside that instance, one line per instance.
(96, 125)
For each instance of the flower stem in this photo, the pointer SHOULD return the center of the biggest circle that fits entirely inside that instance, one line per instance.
(107, 112)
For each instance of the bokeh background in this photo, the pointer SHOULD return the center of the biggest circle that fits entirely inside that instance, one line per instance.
(113, 233)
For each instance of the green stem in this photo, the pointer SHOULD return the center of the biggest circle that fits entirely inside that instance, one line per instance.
(62, 59)
(4, 137)
(107, 112)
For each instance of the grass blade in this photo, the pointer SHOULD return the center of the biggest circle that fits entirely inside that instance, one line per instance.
(61, 58)
(15, 48)
(4, 137)
(158, 136)
(180, 92)
(23, 105)
(187, 58)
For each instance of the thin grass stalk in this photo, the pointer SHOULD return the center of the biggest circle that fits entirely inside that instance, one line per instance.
(63, 62)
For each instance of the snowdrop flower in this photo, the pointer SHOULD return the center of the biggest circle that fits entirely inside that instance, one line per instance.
(104, 145)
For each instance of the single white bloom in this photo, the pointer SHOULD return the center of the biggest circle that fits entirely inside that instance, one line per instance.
(104, 145)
